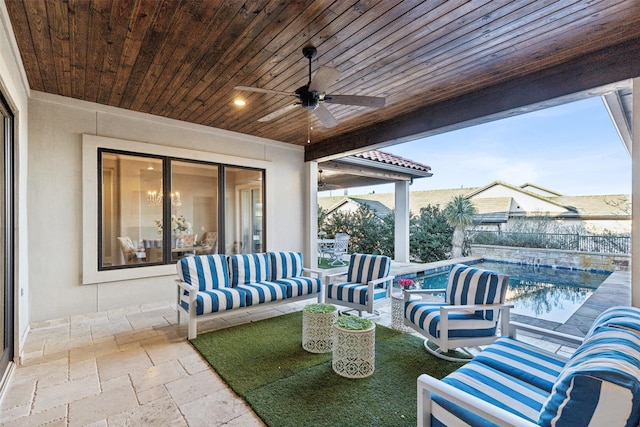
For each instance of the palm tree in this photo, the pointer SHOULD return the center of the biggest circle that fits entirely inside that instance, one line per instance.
(459, 215)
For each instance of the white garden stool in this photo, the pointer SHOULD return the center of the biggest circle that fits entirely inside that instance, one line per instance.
(316, 327)
(354, 350)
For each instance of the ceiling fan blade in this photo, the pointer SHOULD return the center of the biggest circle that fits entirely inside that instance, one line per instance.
(323, 78)
(269, 91)
(363, 101)
(325, 116)
(278, 113)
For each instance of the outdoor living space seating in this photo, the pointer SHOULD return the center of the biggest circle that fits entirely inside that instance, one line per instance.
(511, 383)
(368, 283)
(210, 285)
(468, 316)
(339, 248)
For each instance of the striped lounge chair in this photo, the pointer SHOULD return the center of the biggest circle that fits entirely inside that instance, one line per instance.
(512, 383)
(368, 283)
(468, 316)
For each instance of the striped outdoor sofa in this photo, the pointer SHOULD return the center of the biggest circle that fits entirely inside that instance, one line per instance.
(211, 285)
(511, 383)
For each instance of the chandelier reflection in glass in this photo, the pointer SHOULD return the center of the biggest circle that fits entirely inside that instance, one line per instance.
(154, 198)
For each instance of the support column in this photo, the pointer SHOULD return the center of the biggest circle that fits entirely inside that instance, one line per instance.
(311, 214)
(635, 196)
(401, 241)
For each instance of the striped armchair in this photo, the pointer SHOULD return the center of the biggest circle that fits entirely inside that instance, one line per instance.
(468, 316)
(368, 283)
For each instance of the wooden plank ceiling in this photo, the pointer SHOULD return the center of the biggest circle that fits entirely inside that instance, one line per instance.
(182, 59)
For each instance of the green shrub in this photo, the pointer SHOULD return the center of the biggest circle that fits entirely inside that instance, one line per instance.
(429, 235)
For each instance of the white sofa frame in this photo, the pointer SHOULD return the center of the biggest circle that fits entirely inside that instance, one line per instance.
(428, 385)
(194, 319)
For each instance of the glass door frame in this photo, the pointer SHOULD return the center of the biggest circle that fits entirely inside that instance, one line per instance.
(8, 310)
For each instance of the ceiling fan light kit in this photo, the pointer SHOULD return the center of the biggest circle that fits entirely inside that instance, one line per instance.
(312, 96)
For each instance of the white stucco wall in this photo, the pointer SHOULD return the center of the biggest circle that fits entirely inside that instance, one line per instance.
(55, 205)
(15, 89)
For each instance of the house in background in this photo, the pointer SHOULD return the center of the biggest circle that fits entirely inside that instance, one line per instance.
(500, 204)
(351, 204)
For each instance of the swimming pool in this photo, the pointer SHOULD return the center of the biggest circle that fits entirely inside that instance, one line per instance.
(542, 292)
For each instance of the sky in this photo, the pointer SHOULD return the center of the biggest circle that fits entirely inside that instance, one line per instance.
(572, 149)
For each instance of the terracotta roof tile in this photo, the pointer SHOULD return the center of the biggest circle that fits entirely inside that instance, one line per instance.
(392, 159)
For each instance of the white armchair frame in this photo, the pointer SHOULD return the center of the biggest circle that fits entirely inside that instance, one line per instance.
(444, 342)
(371, 304)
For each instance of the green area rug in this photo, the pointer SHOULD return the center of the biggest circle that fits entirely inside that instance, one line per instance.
(264, 363)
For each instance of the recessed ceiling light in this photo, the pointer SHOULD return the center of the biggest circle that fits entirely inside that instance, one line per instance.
(240, 102)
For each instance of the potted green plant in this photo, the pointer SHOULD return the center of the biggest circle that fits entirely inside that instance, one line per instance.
(316, 327)
(320, 308)
(354, 342)
(353, 323)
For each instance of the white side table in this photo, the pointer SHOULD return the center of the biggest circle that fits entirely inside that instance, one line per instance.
(397, 312)
(354, 352)
(316, 331)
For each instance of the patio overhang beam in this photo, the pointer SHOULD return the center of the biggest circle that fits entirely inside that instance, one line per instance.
(364, 171)
(593, 74)
(615, 107)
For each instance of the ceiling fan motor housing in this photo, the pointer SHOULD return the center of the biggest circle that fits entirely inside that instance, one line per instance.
(309, 100)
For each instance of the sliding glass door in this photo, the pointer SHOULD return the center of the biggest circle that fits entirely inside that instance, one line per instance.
(6, 236)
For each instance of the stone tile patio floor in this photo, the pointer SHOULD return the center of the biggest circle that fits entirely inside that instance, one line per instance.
(135, 367)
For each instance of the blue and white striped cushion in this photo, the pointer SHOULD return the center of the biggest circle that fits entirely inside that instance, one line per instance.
(600, 384)
(523, 361)
(297, 286)
(261, 292)
(353, 292)
(426, 316)
(492, 386)
(206, 271)
(365, 268)
(469, 285)
(286, 264)
(618, 317)
(249, 268)
(215, 300)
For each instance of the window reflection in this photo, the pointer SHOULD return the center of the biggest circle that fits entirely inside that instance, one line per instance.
(139, 193)
(194, 209)
(131, 201)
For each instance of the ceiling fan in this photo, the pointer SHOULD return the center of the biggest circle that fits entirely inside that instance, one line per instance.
(312, 95)
(322, 184)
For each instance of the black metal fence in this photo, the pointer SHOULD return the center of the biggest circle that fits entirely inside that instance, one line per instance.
(617, 244)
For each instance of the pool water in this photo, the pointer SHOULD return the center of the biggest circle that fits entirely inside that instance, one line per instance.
(541, 292)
